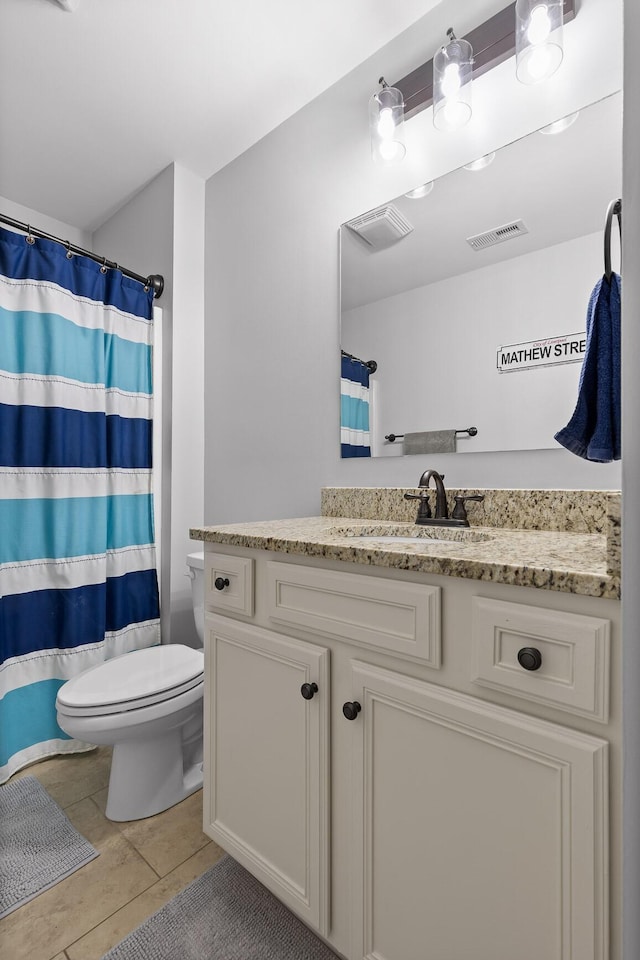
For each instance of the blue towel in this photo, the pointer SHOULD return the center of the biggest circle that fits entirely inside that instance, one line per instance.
(594, 429)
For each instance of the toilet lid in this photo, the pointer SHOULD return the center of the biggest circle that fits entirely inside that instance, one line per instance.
(134, 680)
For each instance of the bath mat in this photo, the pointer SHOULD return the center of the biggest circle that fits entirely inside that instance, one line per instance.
(223, 915)
(38, 844)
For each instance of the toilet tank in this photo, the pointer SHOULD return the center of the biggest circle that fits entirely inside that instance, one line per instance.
(195, 563)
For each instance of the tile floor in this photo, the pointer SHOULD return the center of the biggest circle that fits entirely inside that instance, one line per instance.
(142, 865)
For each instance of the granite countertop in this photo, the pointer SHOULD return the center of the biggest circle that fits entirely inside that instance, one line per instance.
(570, 562)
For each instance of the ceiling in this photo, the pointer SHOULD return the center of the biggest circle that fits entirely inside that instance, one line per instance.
(560, 185)
(95, 102)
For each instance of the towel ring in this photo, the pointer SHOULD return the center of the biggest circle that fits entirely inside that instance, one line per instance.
(614, 210)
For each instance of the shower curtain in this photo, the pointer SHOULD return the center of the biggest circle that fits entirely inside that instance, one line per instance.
(78, 581)
(354, 408)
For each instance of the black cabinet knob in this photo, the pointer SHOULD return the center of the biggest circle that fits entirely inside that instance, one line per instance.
(529, 658)
(308, 689)
(221, 582)
(351, 709)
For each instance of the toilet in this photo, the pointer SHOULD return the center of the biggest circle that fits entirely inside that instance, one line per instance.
(147, 704)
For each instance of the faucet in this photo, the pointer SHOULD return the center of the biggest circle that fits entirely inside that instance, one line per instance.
(442, 512)
(441, 517)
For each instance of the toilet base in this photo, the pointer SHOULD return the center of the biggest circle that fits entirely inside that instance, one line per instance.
(147, 777)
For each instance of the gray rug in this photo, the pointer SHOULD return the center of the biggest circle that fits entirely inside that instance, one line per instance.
(223, 915)
(38, 844)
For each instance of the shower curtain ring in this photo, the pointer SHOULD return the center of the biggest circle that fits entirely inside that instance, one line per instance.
(69, 254)
(103, 268)
(29, 237)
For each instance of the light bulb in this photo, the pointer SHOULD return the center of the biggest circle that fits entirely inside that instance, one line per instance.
(539, 62)
(539, 25)
(538, 39)
(386, 126)
(391, 151)
(456, 114)
(386, 113)
(452, 70)
(451, 80)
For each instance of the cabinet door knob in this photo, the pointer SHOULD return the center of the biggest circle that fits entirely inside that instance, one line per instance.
(529, 658)
(308, 689)
(351, 709)
(221, 582)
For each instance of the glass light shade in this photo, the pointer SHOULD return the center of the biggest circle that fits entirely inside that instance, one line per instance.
(419, 192)
(452, 71)
(481, 162)
(559, 126)
(386, 125)
(538, 39)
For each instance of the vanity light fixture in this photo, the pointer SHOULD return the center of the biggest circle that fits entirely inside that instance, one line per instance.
(538, 39)
(558, 126)
(386, 124)
(481, 162)
(421, 191)
(452, 72)
(493, 42)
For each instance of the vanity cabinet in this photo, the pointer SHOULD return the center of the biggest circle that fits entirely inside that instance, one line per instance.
(477, 832)
(415, 805)
(266, 748)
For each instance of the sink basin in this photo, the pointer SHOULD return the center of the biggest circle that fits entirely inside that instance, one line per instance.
(411, 533)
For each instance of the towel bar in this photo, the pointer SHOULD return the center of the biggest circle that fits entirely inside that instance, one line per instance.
(392, 437)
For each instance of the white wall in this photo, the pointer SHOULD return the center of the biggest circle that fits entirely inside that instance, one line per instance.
(187, 483)
(272, 304)
(436, 350)
(47, 224)
(161, 230)
(630, 474)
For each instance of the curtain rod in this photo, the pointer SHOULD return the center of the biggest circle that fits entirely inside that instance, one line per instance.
(155, 280)
(371, 364)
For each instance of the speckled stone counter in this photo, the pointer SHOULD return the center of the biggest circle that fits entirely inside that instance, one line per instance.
(583, 557)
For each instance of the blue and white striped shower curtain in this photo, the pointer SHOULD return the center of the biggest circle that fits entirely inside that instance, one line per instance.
(354, 408)
(78, 580)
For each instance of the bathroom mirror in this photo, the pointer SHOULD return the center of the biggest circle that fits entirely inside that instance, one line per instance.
(436, 314)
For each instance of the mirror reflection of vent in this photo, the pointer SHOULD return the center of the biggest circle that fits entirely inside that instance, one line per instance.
(499, 235)
(381, 227)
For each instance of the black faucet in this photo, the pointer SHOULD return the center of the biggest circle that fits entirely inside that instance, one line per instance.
(442, 512)
(441, 518)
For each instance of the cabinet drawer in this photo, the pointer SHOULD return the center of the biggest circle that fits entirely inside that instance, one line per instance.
(402, 618)
(236, 596)
(567, 655)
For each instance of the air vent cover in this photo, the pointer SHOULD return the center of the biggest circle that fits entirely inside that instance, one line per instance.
(498, 235)
(381, 227)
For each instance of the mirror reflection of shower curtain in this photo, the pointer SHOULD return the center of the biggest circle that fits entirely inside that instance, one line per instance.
(354, 408)
(78, 582)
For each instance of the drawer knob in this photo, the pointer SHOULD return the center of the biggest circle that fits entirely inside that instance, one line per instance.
(308, 689)
(351, 709)
(221, 582)
(529, 658)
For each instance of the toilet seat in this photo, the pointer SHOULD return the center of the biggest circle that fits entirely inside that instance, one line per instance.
(132, 681)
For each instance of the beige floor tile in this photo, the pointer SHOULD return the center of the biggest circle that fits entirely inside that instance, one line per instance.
(61, 956)
(42, 928)
(89, 820)
(170, 837)
(72, 777)
(111, 931)
(100, 797)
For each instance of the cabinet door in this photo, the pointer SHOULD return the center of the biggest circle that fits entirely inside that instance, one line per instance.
(479, 833)
(266, 760)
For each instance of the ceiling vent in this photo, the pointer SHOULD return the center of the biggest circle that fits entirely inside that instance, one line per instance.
(499, 235)
(381, 227)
